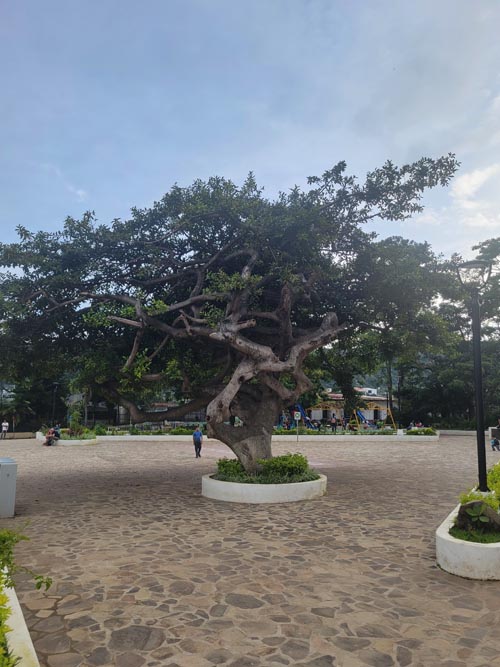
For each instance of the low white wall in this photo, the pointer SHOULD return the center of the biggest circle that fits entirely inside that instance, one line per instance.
(144, 438)
(68, 443)
(18, 638)
(472, 434)
(291, 437)
(470, 560)
(354, 438)
(262, 493)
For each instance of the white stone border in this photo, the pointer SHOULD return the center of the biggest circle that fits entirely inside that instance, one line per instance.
(354, 438)
(67, 443)
(470, 560)
(291, 437)
(262, 493)
(18, 637)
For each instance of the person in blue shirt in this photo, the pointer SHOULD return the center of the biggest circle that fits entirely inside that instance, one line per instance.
(197, 441)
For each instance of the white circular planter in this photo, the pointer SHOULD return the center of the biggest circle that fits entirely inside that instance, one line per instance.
(471, 560)
(262, 493)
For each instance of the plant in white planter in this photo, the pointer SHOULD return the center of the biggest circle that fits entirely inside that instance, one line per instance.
(285, 478)
(468, 541)
(478, 518)
(286, 469)
(10, 653)
(7, 659)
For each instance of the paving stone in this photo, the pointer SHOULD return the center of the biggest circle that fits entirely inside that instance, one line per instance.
(273, 641)
(162, 653)
(295, 649)
(218, 656)
(327, 612)
(50, 624)
(404, 656)
(468, 602)
(53, 643)
(244, 662)
(324, 661)
(99, 656)
(129, 660)
(182, 587)
(65, 660)
(35, 604)
(243, 601)
(80, 622)
(376, 659)
(373, 630)
(351, 643)
(218, 610)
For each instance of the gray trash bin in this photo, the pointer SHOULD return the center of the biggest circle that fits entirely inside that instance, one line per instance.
(8, 476)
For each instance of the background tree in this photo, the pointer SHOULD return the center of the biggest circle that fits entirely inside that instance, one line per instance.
(215, 292)
(402, 281)
(443, 384)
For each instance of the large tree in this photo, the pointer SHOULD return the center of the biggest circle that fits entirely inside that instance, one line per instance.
(215, 293)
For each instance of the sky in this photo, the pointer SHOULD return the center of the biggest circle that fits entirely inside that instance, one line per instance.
(105, 104)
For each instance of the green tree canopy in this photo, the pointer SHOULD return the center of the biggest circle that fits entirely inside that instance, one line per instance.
(215, 292)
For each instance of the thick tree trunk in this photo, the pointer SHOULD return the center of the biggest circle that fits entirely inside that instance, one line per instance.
(258, 407)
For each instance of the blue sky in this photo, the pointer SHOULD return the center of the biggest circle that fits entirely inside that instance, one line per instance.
(106, 103)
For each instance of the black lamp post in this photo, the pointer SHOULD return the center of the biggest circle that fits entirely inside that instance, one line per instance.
(474, 275)
(54, 391)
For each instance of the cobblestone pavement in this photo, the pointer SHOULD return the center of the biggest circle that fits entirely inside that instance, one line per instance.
(147, 572)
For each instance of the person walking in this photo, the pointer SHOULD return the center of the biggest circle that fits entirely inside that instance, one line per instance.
(495, 444)
(197, 442)
(5, 428)
(333, 424)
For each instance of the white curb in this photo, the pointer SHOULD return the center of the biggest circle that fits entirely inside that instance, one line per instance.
(234, 492)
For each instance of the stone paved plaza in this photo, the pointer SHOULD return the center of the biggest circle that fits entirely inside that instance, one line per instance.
(147, 572)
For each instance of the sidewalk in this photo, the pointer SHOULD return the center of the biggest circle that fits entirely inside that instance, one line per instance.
(147, 572)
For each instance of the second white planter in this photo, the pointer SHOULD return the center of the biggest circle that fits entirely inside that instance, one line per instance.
(470, 560)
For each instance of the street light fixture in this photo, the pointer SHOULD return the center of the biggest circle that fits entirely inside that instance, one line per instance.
(473, 276)
(54, 391)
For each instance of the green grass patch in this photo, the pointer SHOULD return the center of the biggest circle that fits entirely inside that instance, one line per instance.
(474, 536)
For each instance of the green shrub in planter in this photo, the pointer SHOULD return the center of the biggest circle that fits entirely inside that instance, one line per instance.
(100, 430)
(489, 499)
(6, 657)
(421, 431)
(492, 499)
(84, 434)
(286, 465)
(493, 480)
(180, 430)
(286, 469)
(229, 468)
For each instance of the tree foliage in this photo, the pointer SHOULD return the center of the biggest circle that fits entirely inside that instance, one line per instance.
(214, 294)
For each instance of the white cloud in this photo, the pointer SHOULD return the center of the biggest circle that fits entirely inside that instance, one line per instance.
(79, 193)
(466, 186)
(482, 220)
